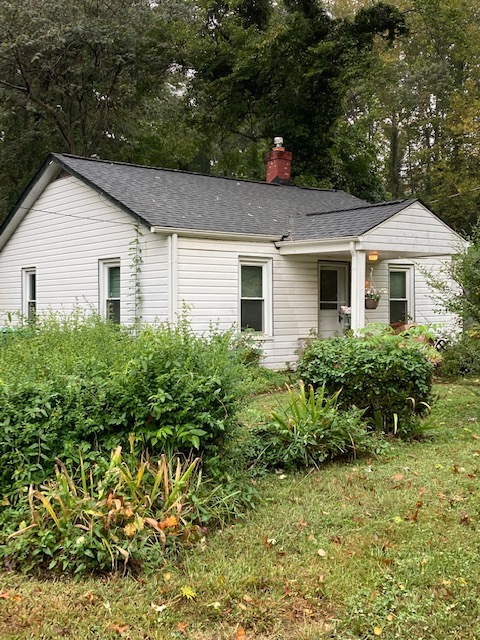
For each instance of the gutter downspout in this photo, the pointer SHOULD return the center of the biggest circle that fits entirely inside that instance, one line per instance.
(172, 274)
(358, 288)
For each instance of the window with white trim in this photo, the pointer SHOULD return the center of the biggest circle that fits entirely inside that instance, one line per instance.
(256, 295)
(29, 291)
(109, 280)
(401, 294)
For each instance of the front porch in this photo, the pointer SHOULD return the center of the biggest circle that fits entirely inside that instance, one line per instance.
(347, 269)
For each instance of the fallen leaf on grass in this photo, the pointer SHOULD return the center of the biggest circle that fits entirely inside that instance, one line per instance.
(240, 635)
(120, 629)
(413, 515)
(377, 631)
(322, 553)
(182, 627)
(397, 477)
(5, 595)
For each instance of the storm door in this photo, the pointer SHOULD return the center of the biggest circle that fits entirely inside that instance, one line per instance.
(333, 295)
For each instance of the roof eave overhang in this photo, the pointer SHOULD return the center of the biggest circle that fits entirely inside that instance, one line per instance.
(305, 247)
(214, 235)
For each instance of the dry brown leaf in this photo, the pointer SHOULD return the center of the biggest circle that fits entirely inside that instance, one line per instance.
(397, 477)
(240, 635)
(182, 627)
(120, 629)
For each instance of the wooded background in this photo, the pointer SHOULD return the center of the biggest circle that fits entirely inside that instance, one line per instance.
(379, 99)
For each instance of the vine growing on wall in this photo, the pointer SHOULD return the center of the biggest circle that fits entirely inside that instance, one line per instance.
(136, 262)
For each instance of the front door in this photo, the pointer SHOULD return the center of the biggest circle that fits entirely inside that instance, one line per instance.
(333, 295)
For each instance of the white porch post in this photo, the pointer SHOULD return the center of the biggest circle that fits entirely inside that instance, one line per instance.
(358, 288)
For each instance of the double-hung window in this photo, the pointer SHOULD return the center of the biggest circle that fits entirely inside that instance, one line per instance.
(401, 294)
(256, 295)
(29, 289)
(110, 305)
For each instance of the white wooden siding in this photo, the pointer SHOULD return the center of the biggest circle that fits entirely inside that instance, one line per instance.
(208, 273)
(66, 233)
(426, 309)
(415, 229)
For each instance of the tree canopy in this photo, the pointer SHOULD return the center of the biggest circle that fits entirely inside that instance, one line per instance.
(379, 99)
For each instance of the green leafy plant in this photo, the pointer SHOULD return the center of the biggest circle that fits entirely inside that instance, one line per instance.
(462, 356)
(380, 374)
(80, 381)
(116, 516)
(309, 430)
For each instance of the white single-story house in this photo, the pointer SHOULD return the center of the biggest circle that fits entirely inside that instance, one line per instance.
(134, 241)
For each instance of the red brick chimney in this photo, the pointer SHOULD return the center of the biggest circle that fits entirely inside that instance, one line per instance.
(279, 163)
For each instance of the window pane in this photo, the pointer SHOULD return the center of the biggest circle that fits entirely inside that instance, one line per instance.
(114, 282)
(32, 286)
(252, 315)
(398, 311)
(113, 311)
(328, 285)
(398, 284)
(252, 282)
(32, 308)
(328, 306)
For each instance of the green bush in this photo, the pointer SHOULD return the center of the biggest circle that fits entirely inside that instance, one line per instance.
(308, 431)
(387, 376)
(82, 381)
(462, 356)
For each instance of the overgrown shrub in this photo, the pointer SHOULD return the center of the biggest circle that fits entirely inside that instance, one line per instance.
(387, 376)
(118, 515)
(80, 380)
(462, 356)
(309, 430)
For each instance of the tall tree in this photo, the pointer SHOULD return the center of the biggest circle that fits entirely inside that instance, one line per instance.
(264, 70)
(73, 76)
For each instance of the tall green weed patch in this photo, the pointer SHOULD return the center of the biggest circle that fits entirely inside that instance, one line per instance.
(81, 381)
(388, 376)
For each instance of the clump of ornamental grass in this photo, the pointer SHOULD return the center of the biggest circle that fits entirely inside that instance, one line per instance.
(308, 430)
(120, 516)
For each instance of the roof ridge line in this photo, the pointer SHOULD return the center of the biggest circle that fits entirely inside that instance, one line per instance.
(364, 206)
(195, 173)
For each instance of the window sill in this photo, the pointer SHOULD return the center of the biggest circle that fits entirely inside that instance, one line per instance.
(259, 337)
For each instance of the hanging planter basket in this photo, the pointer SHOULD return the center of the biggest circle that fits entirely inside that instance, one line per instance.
(370, 303)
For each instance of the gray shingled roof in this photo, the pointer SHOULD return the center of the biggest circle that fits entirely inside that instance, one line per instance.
(177, 199)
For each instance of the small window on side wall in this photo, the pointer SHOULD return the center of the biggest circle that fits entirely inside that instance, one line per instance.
(401, 294)
(29, 290)
(110, 299)
(255, 295)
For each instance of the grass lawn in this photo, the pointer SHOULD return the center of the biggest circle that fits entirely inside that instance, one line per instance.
(383, 548)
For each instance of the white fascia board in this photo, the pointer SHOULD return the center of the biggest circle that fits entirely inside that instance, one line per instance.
(365, 244)
(29, 199)
(213, 235)
(301, 247)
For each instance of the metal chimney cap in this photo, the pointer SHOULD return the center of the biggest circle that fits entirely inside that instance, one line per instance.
(278, 141)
